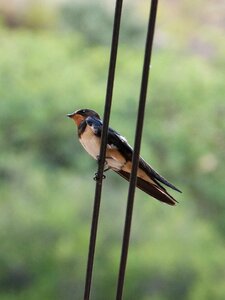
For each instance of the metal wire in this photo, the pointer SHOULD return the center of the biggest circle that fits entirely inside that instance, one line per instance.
(99, 177)
(137, 145)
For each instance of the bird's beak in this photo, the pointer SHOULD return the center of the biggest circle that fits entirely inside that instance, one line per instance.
(76, 117)
(71, 115)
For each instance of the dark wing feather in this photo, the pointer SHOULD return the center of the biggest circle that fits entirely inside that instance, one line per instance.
(154, 175)
(150, 189)
(114, 138)
(96, 125)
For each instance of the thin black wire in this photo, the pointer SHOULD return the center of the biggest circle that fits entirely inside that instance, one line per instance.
(99, 177)
(137, 146)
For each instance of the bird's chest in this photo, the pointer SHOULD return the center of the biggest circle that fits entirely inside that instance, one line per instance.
(90, 142)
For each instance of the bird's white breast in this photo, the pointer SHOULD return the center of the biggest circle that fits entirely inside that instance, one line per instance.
(90, 142)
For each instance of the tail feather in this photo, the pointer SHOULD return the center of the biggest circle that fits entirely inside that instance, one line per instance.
(152, 190)
(153, 174)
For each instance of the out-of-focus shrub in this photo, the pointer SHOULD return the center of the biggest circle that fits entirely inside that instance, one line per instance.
(34, 14)
(94, 21)
(46, 184)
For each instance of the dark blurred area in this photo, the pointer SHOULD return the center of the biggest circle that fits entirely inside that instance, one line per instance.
(53, 60)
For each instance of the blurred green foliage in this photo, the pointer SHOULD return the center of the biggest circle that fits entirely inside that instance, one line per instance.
(94, 20)
(46, 184)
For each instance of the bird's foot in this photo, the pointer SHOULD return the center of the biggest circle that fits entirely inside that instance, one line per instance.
(106, 167)
(97, 177)
(98, 158)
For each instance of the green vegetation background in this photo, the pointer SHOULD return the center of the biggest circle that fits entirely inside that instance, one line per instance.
(51, 65)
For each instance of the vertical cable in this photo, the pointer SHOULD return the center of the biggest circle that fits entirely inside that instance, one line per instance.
(99, 177)
(137, 145)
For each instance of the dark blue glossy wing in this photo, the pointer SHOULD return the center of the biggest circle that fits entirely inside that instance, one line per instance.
(114, 138)
(95, 124)
(118, 141)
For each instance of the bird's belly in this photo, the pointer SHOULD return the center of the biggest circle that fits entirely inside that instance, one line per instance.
(91, 143)
(114, 164)
(114, 159)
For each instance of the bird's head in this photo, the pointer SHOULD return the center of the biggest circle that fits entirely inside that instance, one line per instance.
(79, 115)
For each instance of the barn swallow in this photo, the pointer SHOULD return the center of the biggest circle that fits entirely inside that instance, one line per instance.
(119, 155)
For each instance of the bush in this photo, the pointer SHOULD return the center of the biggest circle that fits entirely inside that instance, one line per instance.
(46, 204)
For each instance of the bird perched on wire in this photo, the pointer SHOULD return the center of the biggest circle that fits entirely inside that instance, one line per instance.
(119, 155)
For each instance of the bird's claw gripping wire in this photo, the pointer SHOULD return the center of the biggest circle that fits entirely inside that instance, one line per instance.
(97, 176)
